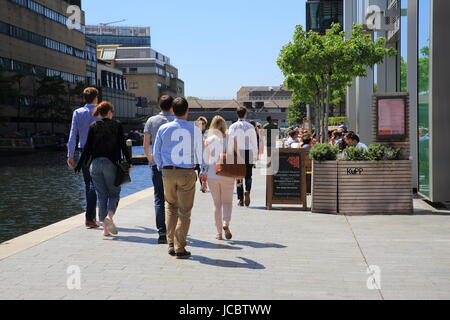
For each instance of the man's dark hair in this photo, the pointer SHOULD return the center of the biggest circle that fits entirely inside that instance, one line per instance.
(165, 103)
(306, 139)
(241, 112)
(89, 95)
(269, 119)
(352, 136)
(180, 106)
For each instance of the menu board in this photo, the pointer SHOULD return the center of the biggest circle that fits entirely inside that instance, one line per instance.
(287, 181)
(391, 118)
(288, 184)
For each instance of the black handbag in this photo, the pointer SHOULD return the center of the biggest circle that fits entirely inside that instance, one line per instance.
(122, 173)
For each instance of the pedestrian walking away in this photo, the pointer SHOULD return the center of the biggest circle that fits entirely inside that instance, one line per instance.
(202, 124)
(103, 151)
(178, 149)
(151, 129)
(81, 121)
(221, 187)
(244, 135)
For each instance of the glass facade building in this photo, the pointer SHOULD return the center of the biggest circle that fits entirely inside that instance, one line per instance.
(124, 36)
(321, 14)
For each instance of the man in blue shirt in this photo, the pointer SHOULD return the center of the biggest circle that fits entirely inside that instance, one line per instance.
(178, 149)
(81, 122)
(151, 129)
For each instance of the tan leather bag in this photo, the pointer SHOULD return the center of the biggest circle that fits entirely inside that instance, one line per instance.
(232, 169)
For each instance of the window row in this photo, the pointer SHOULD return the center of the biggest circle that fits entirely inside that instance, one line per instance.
(44, 11)
(26, 68)
(39, 40)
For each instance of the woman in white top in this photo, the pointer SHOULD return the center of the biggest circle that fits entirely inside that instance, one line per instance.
(221, 187)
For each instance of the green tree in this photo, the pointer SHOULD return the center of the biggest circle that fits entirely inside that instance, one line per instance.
(403, 75)
(319, 68)
(295, 115)
(424, 70)
(50, 93)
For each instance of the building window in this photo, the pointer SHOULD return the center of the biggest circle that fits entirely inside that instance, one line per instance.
(134, 85)
(424, 96)
(109, 54)
(133, 70)
(45, 12)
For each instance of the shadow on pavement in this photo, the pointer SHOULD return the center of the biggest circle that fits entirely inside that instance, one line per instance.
(210, 245)
(247, 264)
(134, 239)
(258, 245)
(140, 230)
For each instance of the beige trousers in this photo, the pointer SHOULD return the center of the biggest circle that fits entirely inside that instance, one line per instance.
(222, 193)
(179, 192)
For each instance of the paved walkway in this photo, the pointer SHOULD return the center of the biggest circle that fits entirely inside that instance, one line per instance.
(282, 254)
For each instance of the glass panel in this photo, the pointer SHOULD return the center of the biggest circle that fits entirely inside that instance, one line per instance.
(424, 97)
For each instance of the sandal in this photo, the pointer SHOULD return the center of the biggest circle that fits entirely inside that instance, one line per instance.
(228, 234)
(110, 226)
(219, 237)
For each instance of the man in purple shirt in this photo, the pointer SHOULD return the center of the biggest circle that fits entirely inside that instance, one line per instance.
(81, 122)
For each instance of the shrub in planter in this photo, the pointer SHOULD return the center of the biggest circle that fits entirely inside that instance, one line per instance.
(323, 152)
(354, 154)
(379, 152)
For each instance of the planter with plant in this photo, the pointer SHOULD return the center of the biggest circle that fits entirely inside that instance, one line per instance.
(373, 181)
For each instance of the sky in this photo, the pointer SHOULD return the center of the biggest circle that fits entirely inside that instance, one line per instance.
(218, 46)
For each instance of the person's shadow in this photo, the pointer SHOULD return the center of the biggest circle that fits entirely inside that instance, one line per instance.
(257, 245)
(247, 264)
(142, 230)
(209, 245)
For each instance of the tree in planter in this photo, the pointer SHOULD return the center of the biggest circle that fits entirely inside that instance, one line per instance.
(319, 68)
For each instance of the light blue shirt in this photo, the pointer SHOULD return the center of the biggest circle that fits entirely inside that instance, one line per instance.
(178, 144)
(81, 121)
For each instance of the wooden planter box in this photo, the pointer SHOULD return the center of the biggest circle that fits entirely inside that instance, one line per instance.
(324, 187)
(363, 187)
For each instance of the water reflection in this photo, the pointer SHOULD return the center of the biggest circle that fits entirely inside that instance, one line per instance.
(38, 189)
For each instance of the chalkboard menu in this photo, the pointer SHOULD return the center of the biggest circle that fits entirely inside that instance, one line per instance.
(287, 185)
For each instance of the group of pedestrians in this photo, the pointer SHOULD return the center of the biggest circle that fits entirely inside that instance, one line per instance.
(179, 155)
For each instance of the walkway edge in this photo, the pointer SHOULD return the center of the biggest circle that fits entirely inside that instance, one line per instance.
(34, 238)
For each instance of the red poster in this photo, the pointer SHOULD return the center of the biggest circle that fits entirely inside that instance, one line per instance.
(391, 117)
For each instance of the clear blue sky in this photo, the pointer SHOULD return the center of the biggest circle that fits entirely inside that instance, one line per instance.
(217, 45)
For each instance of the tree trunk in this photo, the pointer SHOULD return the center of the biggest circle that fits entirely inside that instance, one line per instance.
(327, 107)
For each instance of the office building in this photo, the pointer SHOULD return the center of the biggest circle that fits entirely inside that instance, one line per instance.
(36, 42)
(148, 73)
(124, 36)
(418, 29)
(321, 14)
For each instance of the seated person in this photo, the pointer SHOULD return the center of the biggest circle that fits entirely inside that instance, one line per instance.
(306, 142)
(293, 138)
(352, 140)
(336, 137)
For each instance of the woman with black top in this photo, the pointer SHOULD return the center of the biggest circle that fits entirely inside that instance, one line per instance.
(103, 150)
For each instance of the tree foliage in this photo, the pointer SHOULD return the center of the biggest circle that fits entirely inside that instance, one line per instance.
(295, 114)
(319, 68)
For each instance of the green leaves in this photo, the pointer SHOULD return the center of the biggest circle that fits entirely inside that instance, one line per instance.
(323, 152)
(310, 58)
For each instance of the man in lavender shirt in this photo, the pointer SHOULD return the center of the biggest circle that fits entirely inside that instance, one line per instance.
(81, 122)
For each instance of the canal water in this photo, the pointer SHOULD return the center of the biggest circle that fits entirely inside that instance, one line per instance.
(37, 190)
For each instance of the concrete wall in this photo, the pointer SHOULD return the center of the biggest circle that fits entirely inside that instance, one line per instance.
(440, 101)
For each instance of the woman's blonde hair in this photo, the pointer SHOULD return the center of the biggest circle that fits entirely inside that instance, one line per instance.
(218, 124)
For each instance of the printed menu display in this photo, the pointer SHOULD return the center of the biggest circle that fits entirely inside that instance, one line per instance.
(391, 117)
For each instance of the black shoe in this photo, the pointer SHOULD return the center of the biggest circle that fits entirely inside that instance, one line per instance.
(247, 198)
(241, 203)
(162, 239)
(172, 250)
(183, 255)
